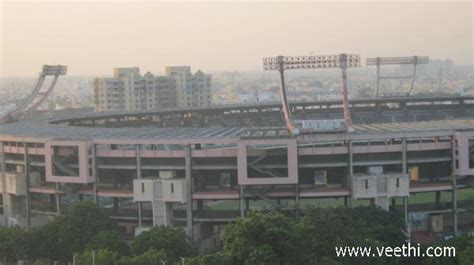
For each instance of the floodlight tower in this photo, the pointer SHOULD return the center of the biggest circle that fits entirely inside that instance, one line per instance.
(37, 96)
(342, 61)
(413, 60)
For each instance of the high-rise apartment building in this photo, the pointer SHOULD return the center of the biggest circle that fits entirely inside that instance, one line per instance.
(128, 90)
(193, 90)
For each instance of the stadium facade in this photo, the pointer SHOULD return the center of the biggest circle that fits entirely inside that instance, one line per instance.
(202, 168)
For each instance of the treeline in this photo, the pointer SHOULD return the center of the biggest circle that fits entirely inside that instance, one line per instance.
(84, 231)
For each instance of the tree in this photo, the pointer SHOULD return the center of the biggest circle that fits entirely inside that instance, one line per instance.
(69, 232)
(12, 240)
(323, 229)
(109, 240)
(263, 239)
(151, 256)
(101, 257)
(219, 258)
(464, 246)
(172, 241)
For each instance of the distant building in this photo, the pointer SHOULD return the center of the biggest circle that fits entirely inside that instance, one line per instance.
(128, 90)
(193, 90)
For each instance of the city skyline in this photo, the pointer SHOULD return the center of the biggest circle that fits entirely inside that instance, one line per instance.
(145, 34)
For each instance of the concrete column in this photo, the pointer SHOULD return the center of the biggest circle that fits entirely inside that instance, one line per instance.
(4, 185)
(139, 176)
(438, 199)
(58, 209)
(242, 202)
(405, 199)
(351, 172)
(297, 201)
(455, 208)
(189, 190)
(454, 193)
(27, 184)
(95, 173)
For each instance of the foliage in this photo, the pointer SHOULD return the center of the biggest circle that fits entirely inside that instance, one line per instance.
(276, 239)
(263, 239)
(218, 258)
(101, 256)
(152, 256)
(109, 240)
(464, 246)
(12, 240)
(172, 241)
(324, 229)
(68, 233)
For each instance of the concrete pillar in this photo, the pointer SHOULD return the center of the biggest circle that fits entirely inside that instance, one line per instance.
(454, 193)
(4, 185)
(455, 208)
(58, 209)
(95, 173)
(438, 199)
(139, 176)
(297, 201)
(405, 199)
(242, 209)
(189, 190)
(27, 185)
(351, 172)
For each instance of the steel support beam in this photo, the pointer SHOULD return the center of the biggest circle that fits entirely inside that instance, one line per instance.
(345, 94)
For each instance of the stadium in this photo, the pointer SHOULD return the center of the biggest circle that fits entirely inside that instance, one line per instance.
(202, 168)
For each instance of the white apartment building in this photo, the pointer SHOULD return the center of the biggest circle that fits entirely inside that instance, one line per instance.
(128, 90)
(193, 90)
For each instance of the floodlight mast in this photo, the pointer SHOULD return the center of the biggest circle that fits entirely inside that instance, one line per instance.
(284, 99)
(345, 94)
(342, 61)
(413, 60)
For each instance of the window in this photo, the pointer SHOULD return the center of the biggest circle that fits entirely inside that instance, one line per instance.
(366, 184)
(143, 187)
(172, 187)
(398, 182)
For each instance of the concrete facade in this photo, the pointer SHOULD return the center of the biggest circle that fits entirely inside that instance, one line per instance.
(202, 178)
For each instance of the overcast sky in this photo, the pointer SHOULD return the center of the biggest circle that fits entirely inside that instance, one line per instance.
(93, 37)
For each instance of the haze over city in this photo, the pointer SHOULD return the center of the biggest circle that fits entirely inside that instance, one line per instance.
(94, 37)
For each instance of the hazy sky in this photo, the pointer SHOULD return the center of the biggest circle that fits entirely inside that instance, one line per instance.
(93, 37)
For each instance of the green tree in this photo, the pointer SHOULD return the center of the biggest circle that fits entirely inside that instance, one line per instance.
(263, 239)
(324, 229)
(172, 241)
(151, 256)
(464, 246)
(219, 258)
(109, 240)
(12, 241)
(69, 232)
(101, 256)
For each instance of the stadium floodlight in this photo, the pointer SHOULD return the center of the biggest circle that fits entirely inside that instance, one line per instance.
(282, 63)
(409, 60)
